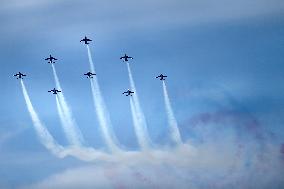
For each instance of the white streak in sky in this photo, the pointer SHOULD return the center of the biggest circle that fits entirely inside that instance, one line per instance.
(174, 131)
(75, 134)
(139, 113)
(101, 110)
(43, 134)
(138, 130)
(82, 153)
(66, 126)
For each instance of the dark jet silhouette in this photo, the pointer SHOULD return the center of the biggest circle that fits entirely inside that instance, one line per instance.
(86, 40)
(90, 74)
(51, 59)
(20, 75)
(161, 77)
(54, 91)
(125, 57)
(128, 92)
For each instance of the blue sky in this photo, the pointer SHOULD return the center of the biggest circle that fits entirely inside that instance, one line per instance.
(224, 61)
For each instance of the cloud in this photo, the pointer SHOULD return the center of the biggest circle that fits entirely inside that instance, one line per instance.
(223, 158)
(208, 166)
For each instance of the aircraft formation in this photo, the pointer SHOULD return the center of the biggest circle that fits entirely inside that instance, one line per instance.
(51, 60)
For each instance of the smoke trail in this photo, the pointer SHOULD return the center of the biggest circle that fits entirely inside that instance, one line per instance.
(73, 131)
(138, 112)
(138, 130)
(92, 67)
(175, 134)
(71, 136)
(101, 110)
(82, 153)
(45, 137)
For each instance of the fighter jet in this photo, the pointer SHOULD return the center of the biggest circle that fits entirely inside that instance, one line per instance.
(128, 92)
(20, 75)
(51, 59)
(161, 77)
(125, 57)
(90, 74)
(54, 91)
(86, 40)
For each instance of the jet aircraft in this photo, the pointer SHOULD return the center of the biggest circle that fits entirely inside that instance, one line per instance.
(86, 40)
(125, 57)
(161, 77)
(51, 59)
(90, 74)
(20, 75)
(54, 91)
(128, 92)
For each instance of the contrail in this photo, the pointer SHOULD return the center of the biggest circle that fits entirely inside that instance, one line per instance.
(43, 134)
(138, 130)
(175, 134)
(82, 153)
(139, 113)
(101, 110)
(74, 134)
(71, 136)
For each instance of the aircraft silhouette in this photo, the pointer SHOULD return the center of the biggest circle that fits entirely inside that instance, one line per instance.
(54, 91)
(128, 92)
(50, 59)
(161, 77)
(86, 40)
(125, 57)
(20, 75)
(90, 74)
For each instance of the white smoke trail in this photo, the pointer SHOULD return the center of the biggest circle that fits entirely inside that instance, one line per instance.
(71, 136)
(103, 118)
(43, 134)
(138, 130)
(101, 110)
(82, 153)
(92, 66)
(139, 113)
(74, 132)
(175, 134)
